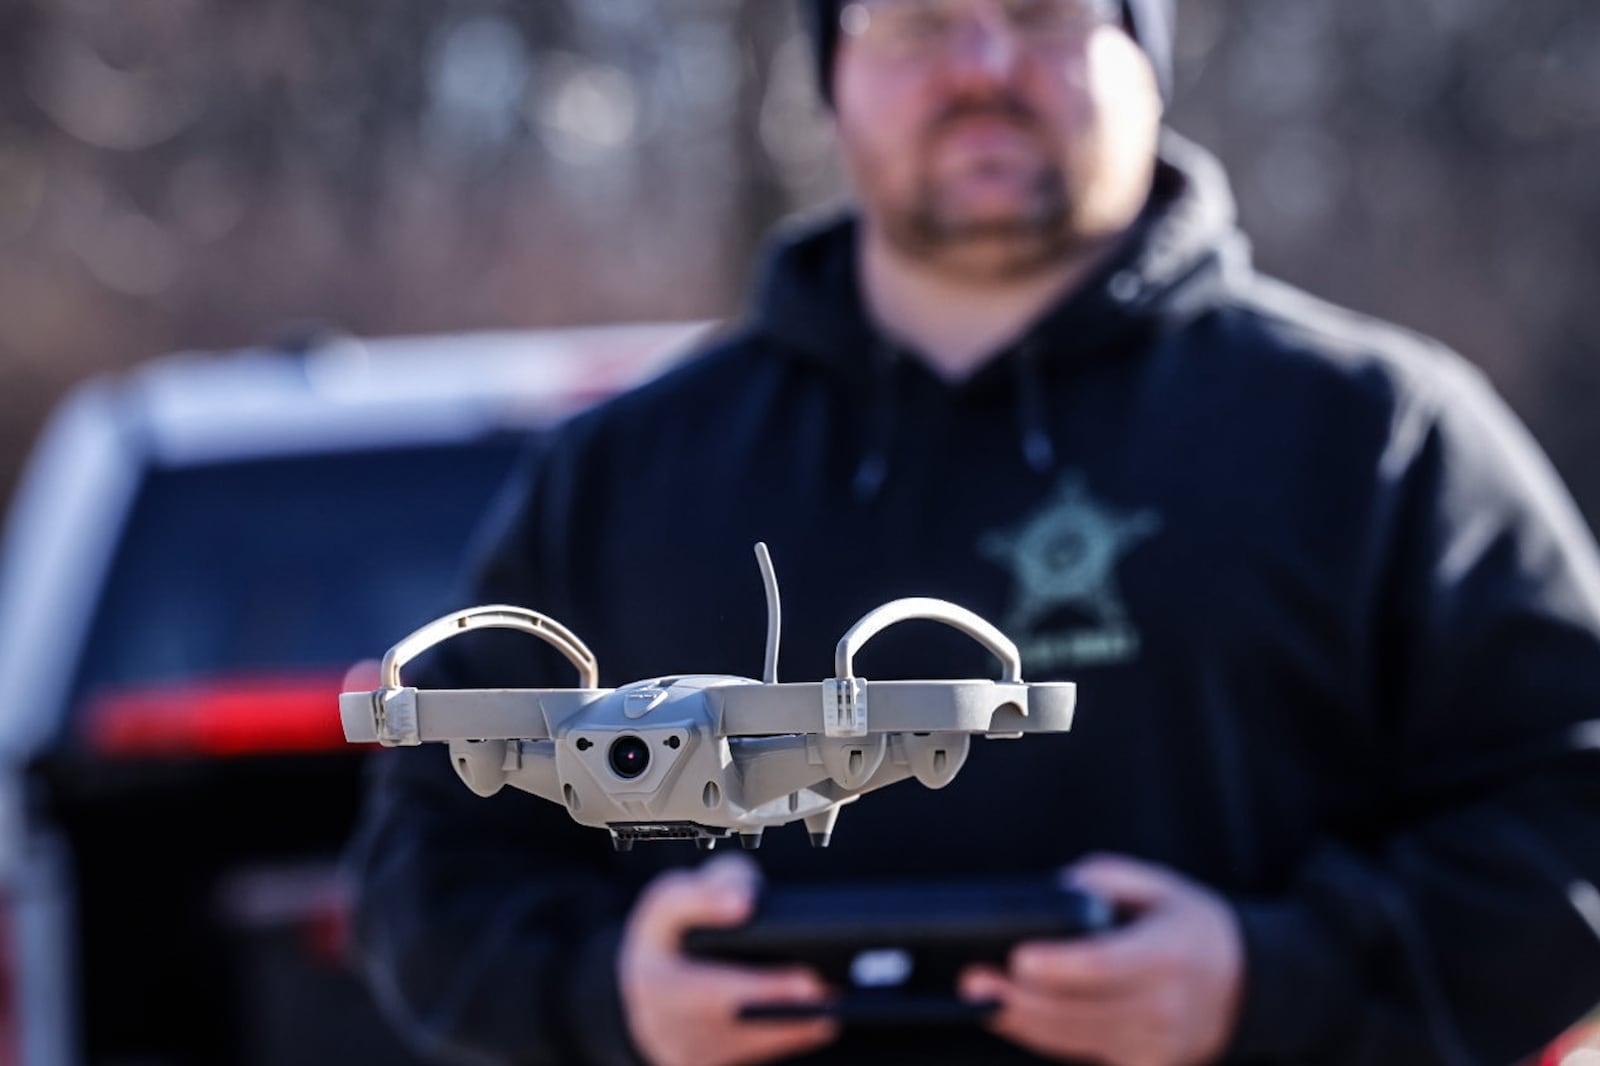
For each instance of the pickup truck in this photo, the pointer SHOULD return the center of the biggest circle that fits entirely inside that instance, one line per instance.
(197, 550)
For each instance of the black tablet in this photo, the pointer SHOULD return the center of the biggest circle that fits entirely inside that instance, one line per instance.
(894, 951)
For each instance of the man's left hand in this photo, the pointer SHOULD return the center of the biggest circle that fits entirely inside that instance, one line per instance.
(1161, 990)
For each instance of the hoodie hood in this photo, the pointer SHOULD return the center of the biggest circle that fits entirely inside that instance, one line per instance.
(1183, 253)
(1181, 256)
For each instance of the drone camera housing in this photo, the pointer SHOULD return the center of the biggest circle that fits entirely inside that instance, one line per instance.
(629, 756)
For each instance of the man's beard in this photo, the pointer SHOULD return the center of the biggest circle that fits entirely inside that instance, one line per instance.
(1001, 249)
(931, 229)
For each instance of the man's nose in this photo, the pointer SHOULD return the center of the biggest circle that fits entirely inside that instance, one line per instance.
(985, 47)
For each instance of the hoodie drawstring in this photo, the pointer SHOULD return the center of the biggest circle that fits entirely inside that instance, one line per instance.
(879, 414)
(1037, 447)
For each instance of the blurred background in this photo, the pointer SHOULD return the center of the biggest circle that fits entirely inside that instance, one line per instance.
(193, 562)
(198, 173)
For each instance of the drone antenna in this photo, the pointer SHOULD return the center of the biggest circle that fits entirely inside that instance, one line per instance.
(769, 580)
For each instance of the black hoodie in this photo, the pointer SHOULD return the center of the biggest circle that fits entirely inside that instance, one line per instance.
(1335, 625)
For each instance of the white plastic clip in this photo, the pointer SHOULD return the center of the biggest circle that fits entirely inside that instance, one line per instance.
(844, 707)
(395, 715)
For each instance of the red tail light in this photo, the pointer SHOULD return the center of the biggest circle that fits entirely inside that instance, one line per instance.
(1579, 1046)
(217, 718)
(10, 1016)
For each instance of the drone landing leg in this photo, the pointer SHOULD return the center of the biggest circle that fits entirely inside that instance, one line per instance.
(820, 826)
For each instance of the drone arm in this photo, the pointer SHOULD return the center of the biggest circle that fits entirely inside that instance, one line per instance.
(458, 714)
(994, 707)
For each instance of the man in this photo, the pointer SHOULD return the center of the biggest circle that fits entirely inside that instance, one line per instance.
(1336, 626)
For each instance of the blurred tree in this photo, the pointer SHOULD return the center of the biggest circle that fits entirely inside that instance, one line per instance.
(194, 173)
(1430, 161)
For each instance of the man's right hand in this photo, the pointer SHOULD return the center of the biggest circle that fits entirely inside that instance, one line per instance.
(685, 1012)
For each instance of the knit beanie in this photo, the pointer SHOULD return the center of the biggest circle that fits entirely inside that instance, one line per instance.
(1150, 21)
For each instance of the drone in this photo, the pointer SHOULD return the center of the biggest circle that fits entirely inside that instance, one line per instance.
(708, 757)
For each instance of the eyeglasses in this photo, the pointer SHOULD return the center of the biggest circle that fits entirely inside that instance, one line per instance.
(920, 29)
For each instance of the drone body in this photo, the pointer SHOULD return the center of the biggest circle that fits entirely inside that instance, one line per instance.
(705, 758)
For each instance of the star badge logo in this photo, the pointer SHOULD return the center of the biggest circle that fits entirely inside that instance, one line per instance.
(1066, 554)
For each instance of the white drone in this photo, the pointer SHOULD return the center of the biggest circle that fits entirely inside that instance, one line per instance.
(706, 757)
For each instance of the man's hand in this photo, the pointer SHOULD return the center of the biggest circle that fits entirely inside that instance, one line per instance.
(1161, 991)
(683, 1012)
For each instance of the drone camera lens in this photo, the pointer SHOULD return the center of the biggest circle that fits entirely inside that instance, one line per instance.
(629, 757)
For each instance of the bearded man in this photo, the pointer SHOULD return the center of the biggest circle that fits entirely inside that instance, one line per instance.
(1334, 622)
